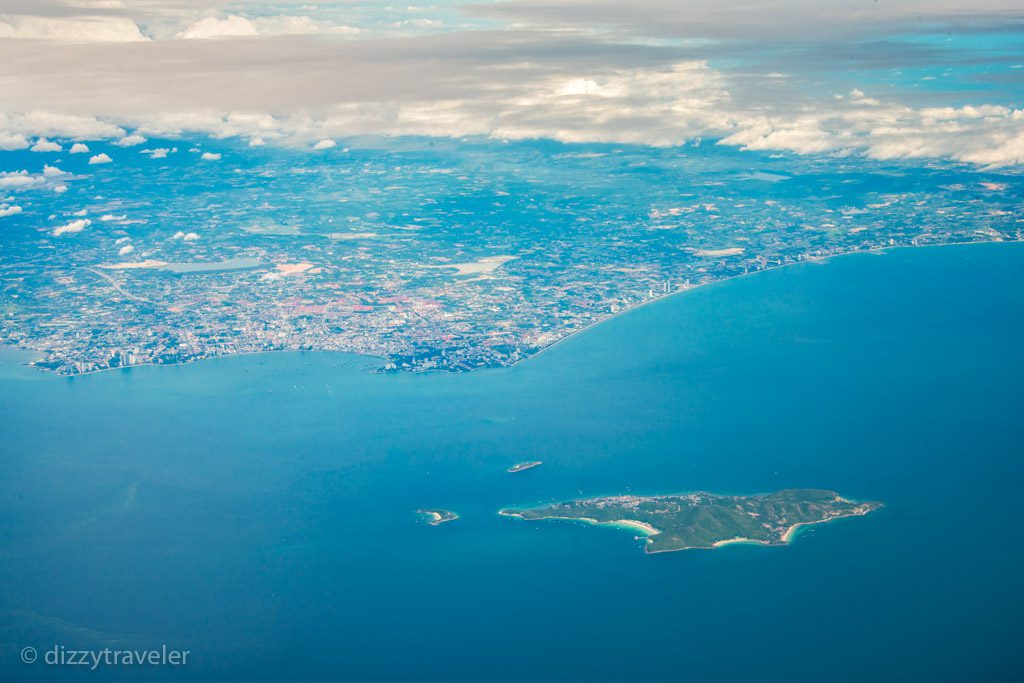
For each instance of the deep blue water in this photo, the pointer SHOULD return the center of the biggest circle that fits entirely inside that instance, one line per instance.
(259, 511)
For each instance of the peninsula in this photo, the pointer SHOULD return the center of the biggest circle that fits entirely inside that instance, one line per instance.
(705, 520)
(437, 516)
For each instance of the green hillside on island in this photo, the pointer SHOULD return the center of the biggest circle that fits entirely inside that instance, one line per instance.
(705, 520)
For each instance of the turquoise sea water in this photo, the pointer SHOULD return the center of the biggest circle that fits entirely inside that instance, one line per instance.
(260, 511)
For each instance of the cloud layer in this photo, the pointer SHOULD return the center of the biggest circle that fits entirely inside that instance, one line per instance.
(574, 71)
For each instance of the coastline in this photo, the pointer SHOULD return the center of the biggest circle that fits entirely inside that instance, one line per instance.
(791, 532)
(631, 524)
(877, 251)
(44, 372)
(678, 292)
(437, 517)
(648, 530)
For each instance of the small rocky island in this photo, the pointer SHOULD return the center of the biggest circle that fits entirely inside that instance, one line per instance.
(523, 466)
(436, 516)
(706, 520)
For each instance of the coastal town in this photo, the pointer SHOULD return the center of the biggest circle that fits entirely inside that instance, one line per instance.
(428, 258)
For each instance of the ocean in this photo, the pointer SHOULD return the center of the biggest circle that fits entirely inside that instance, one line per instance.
(260, 511)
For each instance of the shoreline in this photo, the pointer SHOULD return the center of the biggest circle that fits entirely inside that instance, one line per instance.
(648, 530)
(791, 532)
(878, 251)
(816, 259)
(437, 517)
(631, 524)
(45, 372)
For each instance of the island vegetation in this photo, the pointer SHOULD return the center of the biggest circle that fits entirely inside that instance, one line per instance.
(705, 520)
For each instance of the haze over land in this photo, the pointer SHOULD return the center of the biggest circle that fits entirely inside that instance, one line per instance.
(458, 186)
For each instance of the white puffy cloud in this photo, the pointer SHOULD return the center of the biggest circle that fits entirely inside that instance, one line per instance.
(10, 142)
(130, 140)
(44, 145)
(74, 29)
(52, 171)
(125, 250)
(79, 148)
(231, 26)
(987, 135)
(236, 26)
(186, 236)
(326, 143)
(211, 156)
(9, 210)
(101, 158)
(158, 153)
(293, 26)
(803, 135)
(19, 180)
(74, 226)
(36, 122)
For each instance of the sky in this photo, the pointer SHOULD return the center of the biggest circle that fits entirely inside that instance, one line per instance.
(886, 79)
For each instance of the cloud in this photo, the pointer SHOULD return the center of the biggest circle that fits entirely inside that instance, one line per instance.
(988, 136)
(9, 210)
(130, 140)
(754, 20)
(232, 26)
(44, 145)
(326, 143)
(107, 217)
(186, 236)
(158, 153)
(75, 29)
(19, 180)
(298, 25)
(10, 142)
(211, 156)
(101, 158)
(657, 73)
(52, 171)
(125, 250)
(79, 148)
(74, 226)
(36, 122)
(236, 26)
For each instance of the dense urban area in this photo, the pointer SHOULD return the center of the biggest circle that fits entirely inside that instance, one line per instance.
(426, 254)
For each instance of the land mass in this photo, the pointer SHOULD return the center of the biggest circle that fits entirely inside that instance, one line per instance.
(521, 466)
(481, 260)
(706, 520)
(436, 516)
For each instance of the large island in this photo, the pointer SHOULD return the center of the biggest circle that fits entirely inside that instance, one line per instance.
(705, 520)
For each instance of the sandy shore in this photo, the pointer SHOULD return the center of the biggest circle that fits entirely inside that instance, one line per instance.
(434, 518)
(738, 539)
(631, 524)
(791, 531)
